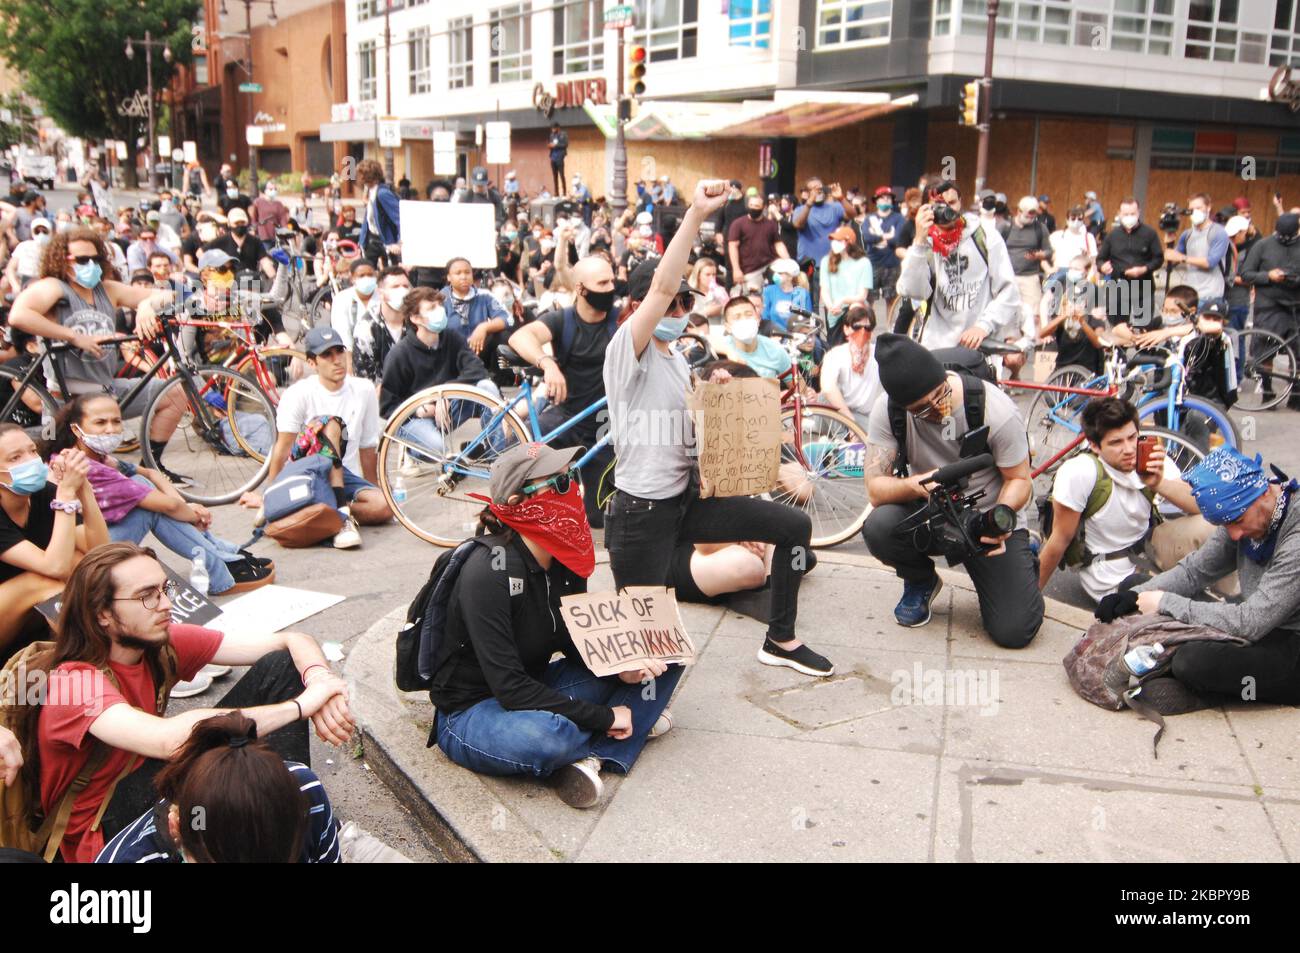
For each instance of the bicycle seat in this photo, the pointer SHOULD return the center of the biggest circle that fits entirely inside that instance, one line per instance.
(507, 358)
(998, 347)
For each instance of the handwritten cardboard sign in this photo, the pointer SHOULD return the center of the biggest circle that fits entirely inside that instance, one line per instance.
(619, 631)
(738, 436)
(189, 606)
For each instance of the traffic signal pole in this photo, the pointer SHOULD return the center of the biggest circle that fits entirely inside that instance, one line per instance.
(618, 200)
(986, 99)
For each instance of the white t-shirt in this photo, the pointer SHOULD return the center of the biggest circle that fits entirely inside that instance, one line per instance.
(355, 402)
(1121, 522)
(1068, 245)
(860, 390)
(347, 311)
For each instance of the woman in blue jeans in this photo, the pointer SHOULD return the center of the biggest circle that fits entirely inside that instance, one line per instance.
(136, 501)
(504, 707)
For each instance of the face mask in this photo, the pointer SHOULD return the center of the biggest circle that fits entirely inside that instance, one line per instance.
(600, 301)
(548, 246)
(41, 238)
(221, 280)
(232, 192)
(1198, 217)
(646, 231)
(104, 443)
(207, 232)
(838, 247)
(240, 230)
(1286, 239)
(820, 200)
(744, 330)
(670, 329)
(555, 521)
(883, 207)
(1128, 221)
(366, 285)
(1073, 276)
(394, 297)
(1076, 225)
(436, 320)
(756, 213)
(511, 235)
(88, 275)
(537, 235)
(271, 193)
(28, 477)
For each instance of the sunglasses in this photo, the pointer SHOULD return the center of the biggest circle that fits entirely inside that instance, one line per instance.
(225, 269)
(561, 482)
(83, 259)
(40, 231)
(862, 327)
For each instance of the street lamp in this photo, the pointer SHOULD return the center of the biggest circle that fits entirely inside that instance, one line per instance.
(149, 43)
(272, 20)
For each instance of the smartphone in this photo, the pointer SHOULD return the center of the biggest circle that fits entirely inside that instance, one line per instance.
(1146, 446)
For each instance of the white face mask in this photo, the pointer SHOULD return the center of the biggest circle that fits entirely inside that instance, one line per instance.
(232, 192)
(838, 247)
(1073, 276)
(547, 246)
(394, 297)
(1198, 217)
(646, 230)
(744, 330)
(1076, 225)
(1129, 221)
(207, 231)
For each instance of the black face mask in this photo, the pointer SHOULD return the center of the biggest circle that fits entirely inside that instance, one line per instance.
(240, 230)
(601, 301)
(755, 213)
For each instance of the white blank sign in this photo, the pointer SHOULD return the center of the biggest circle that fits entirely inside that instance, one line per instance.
(434, 232)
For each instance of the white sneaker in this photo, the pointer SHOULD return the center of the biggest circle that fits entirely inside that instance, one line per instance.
(663, 725)
(200, 684)
(579, 783)
(349, 537)
(220, 671)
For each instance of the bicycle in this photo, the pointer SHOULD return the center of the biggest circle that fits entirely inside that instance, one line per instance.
(1267, 366)
(319, 306)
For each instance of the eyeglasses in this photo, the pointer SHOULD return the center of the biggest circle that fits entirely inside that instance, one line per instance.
(932, 408)
(561, 482)
(83, 259)
(151, 598)
(225, 269)
(863, 327)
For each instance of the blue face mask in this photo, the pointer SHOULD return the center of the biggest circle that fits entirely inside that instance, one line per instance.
(367, 285)
(88, 275)
(28, 477)
(670, 329)
(436, 320)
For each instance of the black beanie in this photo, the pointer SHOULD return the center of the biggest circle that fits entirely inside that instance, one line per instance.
(1287, 225)
(907, 370)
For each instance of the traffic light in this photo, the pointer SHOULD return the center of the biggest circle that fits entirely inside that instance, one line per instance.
(970, 104)
(636, 61)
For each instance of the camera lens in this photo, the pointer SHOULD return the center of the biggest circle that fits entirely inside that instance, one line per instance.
(998, 521)
(944, 214)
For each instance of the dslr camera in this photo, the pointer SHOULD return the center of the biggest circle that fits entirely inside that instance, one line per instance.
(944, 214)
(1170, 215)
(950, 518)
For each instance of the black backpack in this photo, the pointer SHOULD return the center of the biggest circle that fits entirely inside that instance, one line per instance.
(973, 370)
(562, 345)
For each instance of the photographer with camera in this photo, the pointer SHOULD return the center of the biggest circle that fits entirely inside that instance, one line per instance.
(933, 419)
(1131, 254)
(1273, 268)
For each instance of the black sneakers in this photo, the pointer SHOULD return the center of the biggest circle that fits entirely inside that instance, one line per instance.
(803, 659)
(250, 575)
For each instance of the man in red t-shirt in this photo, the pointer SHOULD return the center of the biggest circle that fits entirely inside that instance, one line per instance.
(117, 615)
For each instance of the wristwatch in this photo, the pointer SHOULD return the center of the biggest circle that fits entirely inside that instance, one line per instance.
(66, 506)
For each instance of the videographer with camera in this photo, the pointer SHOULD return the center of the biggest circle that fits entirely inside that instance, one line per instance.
(926, 423)
(1273, 268)
(1201, 250)
(1131, 254)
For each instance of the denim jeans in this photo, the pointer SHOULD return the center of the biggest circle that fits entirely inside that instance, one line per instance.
(488, 739)
(180, 538)
(426, 432)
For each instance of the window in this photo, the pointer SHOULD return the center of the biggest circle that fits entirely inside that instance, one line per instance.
(511, 29)
(417, 45)
(368, 75)
(667, 28)
(375, 8)
(201, 69)
(1143, 26)
(750, 23)
(842, 22)
(1284, 49)
(460, 53)
(1212, 32)
(1030, 21)
(579, 37)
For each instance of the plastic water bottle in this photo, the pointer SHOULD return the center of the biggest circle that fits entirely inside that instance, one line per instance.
(199, 579)
(399, 490)
(1143, 658)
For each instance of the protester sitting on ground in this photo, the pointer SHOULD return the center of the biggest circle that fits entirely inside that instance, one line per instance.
(1075, 330)
(788, 290)
(1176, 320)
(40, 541)
(377, 331)
(846, 279)
(25, 260)
(255, 807)
(136, 501)
(355, 303)
(337, 415)
(115, 654)
(503, 706)
(1117, 505)
(850, 377)
(1257, 535)
(1209, 356)
(743, 342)
(472, 311)
(657, 502)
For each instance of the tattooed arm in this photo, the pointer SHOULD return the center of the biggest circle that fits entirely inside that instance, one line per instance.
(882, 486)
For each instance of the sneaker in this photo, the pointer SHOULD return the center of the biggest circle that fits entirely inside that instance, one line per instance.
(250, 575)
(177, 479)
(214, 671)
(914, 608)
(579, 784)
(663, 725)
(349, 537)
(259, 560)
(197, 686)
(803, 659)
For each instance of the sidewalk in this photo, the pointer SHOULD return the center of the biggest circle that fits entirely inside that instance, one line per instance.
(878, 762)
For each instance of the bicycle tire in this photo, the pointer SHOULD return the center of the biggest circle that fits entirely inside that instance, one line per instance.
(1254, 346)
(282, 378)
(204, 450)
(1042, 429)
(1190, 424)
(39, 425)
(837, 502)
(1182, 450)
(428, 509)
(319, 307)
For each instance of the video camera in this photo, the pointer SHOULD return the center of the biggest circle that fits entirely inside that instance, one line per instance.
(950, 516)
(1170, 215)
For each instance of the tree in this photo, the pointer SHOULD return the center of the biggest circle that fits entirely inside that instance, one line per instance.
(22, 125)
(70, 53)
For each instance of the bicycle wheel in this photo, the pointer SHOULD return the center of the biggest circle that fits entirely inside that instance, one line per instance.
(1202, 421)
(204, 448)
(320, 305)
(831, 488)
(428, 467)
(1266, 362)
(1052, 423)
(1182, 453)
(30, 405)
(274, 369)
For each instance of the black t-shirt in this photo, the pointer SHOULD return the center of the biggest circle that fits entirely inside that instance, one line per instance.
(350, 233)
(190, 247)
(249, 255)
(584, 363)
(1073, 347)
(39, 529)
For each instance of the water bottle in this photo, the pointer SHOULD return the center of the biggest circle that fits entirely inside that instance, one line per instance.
(199, 580)
(399, 490)
(1143, 658)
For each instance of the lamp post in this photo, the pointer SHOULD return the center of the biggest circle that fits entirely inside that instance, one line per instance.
(149, 43)
(271, 20)
(388, 88)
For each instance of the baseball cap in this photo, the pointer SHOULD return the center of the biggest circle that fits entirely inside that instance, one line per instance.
(785, 266)
(1044, 200)
(884, 190)
(512, 174)
(153, 217)
(1241, 203)
(1090, 195)
(644, 218)
(1236, 225)
(1215, 308)
(479, 176)
(320, 339)
(215, 258)
(237, 216)
(843, 234)
(643, 276)
(39, 221)
(522, 464)
(216, 217)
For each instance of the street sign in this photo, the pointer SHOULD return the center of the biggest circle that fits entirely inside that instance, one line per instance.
(620, 17)
(444, 152)
(250, 87)
(253, 135)
(164, 145)
(390, 132)
(191, 150)
(498, 142)
(120, 146)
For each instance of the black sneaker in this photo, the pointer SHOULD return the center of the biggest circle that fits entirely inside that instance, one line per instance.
(248, 576)
(177, 479)
(803, 659)
(257, 560)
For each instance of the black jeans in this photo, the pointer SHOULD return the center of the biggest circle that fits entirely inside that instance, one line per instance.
(1265, 671)
(585, 433)
(272, 678)
(1011, 605)
(641, 535)
(557, 172)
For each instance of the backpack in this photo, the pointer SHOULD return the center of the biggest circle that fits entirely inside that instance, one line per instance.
(20, 805)
(1077, 553)
(569, 330)
(973, 370)
(1096, 669)
(299, 505)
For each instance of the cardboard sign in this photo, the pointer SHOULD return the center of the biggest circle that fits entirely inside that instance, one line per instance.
(272, 608)
(619, 631)
(435, 232)
(738, 436)
(189, 606)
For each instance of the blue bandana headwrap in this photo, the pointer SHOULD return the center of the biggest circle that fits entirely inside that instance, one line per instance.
(1226, 483)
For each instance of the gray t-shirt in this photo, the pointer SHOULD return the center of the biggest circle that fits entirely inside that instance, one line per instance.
(100, 319)
(1023, 240)
(931, 445)
(1208, 282)
(650, 424)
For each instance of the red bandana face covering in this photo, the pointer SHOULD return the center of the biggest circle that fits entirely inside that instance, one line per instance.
(555, 521)
(945, 240)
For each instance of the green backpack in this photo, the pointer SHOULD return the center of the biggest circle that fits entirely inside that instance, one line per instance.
(1077, 553)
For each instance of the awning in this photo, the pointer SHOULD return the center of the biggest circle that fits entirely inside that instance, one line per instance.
(365, 130)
